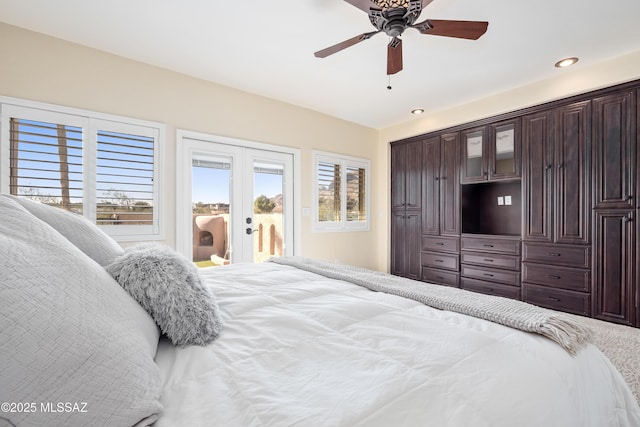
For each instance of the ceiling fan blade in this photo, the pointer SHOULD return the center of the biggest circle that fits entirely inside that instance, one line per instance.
(471, 30)
(425, 3)
(343, 45)
(394, 56)
(364, 5)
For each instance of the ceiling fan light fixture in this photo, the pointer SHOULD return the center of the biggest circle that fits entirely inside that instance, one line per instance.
(390, 4)
(566, 62)
(417, 111)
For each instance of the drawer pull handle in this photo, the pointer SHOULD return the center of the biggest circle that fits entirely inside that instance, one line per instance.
(438, 260)
(490, 289)
(439, 277)
(487, 246)
(551, 276)
(488, 259)
(439, 243)
(554, 299)
(553, 254)
(488, 274)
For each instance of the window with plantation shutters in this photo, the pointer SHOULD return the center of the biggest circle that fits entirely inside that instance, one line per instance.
(341, 192)
(102, 167)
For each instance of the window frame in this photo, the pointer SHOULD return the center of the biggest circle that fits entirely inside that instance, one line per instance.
(345, 162)
(90, 122)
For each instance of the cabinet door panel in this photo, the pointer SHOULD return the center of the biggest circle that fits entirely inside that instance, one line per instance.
(572, 143)
(614, 290)
(537, 165)
(474, 155)
(614, 151)
(398, 252)
(398, 172)
(504, 162)
(412, 237)
(450, 185)
(431, 186)
(413, 176)
(405, 243)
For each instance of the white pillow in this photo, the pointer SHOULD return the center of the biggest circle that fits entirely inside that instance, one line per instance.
(69, 332)
(87, 236)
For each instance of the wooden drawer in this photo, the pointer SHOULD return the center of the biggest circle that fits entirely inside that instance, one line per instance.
(492, 260)
(490, 288)
(440, 277)
(567, 255)
(483, 273)
(446, 244)
(505, 245)
(557, 299)
(574, 279)
(440, 260)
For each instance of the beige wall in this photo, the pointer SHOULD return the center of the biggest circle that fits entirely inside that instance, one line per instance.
(45, 69)
(41, 68)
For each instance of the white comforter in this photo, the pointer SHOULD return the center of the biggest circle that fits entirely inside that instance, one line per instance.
(299, 349)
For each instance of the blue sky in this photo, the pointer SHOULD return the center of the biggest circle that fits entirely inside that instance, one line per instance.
(212, 185)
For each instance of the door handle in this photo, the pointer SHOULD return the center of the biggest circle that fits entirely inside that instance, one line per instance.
(250, 230)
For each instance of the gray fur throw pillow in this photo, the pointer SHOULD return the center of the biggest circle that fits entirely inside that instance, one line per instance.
(169, 287)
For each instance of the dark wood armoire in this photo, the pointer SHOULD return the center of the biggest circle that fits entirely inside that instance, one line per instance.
(538, 204)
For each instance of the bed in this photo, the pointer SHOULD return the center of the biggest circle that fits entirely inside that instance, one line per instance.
(286, 346)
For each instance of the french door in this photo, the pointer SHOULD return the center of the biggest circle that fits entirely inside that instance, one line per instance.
(238, 202)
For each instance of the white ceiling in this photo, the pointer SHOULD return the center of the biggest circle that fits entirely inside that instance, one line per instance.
(266, 47)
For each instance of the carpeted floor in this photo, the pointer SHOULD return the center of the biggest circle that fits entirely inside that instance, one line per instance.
(621, 344)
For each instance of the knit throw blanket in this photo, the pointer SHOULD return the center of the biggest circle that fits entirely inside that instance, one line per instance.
(515, 314)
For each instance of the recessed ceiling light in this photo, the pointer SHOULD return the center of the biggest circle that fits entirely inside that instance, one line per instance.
(566, 62)
(417, 111)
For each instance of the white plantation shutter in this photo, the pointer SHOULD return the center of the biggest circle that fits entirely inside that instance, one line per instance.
(356, 198)
(103, 169)
(124, 178)
(46, 163)
(341, 193)
(328, 187)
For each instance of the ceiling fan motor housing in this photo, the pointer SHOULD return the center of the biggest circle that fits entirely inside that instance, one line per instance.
(393, 21)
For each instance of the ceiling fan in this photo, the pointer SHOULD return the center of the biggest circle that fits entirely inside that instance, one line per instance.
(393, 17)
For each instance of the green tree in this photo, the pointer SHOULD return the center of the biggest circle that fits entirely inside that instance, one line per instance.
(201, 208)
(263, 204)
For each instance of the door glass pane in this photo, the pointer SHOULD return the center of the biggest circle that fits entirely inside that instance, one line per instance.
(268, 220)
(211, 183)
(505, 149)
(474, 154)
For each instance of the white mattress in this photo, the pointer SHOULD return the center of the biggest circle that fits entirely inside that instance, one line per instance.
(299, 349)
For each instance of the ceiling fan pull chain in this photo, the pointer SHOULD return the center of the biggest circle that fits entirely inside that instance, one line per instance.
(389, 84)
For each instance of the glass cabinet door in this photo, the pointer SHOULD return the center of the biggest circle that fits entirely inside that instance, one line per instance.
(474, 155)
(505, 156)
